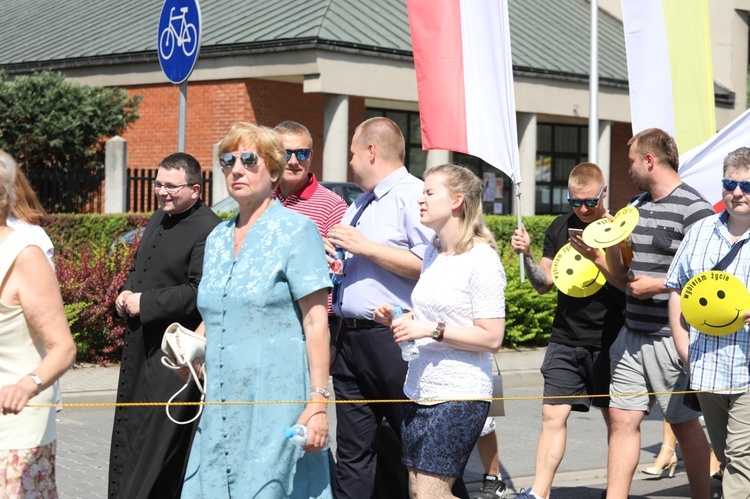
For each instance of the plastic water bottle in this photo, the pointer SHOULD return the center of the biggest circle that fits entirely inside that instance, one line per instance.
(336, 268)
(409, 349)
(297, 434)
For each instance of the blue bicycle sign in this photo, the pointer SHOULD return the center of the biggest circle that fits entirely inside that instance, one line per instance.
(179, 38)
(187, 38)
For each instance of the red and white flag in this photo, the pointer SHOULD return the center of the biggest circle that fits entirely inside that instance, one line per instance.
(465, 79)
(702, 166)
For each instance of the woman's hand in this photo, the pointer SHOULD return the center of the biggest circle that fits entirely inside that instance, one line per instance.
(409, 329)
(315, 419)
(383, 314)
(13, 398)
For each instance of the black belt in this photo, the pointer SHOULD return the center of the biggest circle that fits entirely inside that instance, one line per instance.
(360, 323)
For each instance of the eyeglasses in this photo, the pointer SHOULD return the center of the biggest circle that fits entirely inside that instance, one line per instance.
(171, 189)
(248, 159)
(302, 154)
(590, 203)
(730, 185)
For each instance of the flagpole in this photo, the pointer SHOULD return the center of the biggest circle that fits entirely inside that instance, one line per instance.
(518, 214)
(594, 85)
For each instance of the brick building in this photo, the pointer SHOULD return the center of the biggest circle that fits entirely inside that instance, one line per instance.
(331, 63)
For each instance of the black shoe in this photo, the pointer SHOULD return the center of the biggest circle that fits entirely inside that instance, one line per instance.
(493, 487)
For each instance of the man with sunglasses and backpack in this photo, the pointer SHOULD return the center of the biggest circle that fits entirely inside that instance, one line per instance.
(719, 363)
(577, 360)
(644, 358)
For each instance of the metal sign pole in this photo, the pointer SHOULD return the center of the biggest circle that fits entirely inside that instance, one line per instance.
(182, 118)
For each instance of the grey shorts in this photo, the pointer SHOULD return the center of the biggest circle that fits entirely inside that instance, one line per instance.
(644, 363)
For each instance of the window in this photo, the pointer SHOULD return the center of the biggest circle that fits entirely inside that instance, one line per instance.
(502, 204)
(408, 122)
(559, 149)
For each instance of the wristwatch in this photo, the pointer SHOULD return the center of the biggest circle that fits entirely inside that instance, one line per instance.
(322, 391)
(37, 381)
(439, 332)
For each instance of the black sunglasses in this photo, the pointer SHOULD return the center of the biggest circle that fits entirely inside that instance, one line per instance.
(302, 154)
(248, 160)
(590, 203)
(730, 185)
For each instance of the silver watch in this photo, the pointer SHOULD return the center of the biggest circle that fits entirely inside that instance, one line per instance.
(322, 391)
(37, 381)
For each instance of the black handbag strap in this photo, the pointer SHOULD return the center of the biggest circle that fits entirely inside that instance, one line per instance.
(724, 262)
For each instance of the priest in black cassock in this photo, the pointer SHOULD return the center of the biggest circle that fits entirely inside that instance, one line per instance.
(149, 452)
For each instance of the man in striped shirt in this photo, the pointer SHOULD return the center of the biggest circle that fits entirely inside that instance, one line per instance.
(719, 364)
(298, 189)
(644, 358)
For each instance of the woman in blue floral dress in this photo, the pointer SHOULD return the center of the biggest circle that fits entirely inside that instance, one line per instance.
(263, 302)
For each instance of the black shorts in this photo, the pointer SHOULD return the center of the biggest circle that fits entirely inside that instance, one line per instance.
(576, 371)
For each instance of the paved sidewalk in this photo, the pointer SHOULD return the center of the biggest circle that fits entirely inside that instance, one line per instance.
(83, 448)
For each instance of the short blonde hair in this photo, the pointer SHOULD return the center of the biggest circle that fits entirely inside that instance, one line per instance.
(266, 141)
(7, 180)
(460, 180)
(584, 175)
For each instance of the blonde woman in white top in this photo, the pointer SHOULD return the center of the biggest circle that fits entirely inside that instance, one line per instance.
(36, 348)
(458, 319)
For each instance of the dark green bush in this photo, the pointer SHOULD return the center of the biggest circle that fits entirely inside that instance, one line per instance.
(98, 231)
(91, 272)
(528, 314)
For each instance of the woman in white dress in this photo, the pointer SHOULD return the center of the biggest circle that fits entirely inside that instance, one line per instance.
(458, 319)
(36, 348)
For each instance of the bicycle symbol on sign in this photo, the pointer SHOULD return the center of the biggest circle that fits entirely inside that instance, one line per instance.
(187, 37)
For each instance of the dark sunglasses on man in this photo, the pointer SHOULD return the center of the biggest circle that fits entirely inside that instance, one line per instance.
(248, 160)
(302, 154)
(730, 185)
(590, 203)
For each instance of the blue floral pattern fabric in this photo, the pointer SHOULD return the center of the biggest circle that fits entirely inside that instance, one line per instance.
(256, 352)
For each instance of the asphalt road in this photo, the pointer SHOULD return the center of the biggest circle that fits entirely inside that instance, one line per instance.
(83, 453)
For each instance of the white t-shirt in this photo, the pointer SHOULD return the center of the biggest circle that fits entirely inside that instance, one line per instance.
(456, 290)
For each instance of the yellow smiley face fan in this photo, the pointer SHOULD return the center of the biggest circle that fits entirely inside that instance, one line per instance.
(574, 275)
(605, 233)
(713, 303)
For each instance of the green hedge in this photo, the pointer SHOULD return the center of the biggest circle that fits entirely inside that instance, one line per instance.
(94, 230)
(528, 314)
(91, 271)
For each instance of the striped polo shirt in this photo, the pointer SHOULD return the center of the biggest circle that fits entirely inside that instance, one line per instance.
(323, 206)
(660, 230)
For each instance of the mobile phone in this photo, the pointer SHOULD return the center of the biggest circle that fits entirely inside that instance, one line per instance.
(575, 232)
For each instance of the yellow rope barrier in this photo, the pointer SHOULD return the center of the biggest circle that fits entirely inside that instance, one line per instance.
(376, 401)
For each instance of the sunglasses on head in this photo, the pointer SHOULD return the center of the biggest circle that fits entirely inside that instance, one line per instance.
(302, 154)
(590, 203)
(730, 185)
(248, 159)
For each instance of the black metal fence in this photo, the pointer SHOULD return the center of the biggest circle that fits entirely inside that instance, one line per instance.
(77, 191)
(140, 191)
